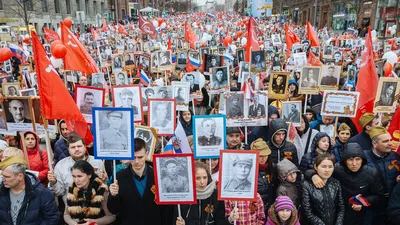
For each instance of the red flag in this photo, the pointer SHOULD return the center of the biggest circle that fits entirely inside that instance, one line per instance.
(313, 60)
(312, 36)
(291, 38)
(252, 39)
(77, 58)
(367, 81)
(77, 35)
(190, 36)
(147, 27)
(121, 30)
(169, 44)
(55, 100)
(95, 35)
(104, 28)
(50, 35)
(394, 128)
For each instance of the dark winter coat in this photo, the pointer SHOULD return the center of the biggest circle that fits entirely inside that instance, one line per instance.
(307, 162)
(263, 131)
(267, 184)
(363, 140)
(323, 206)
(61, 146)
(39, 206)
(286, 149)
(131, 207)
(285, 188)
(393, 207)
(337, 150)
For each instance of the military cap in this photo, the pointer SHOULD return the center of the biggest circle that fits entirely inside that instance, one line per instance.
(375, 131)
(365, 119)
(114, 114)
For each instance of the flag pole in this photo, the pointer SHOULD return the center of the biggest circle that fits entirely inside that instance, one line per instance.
(114, 172)
(48, 146)
(305, 104)
(380, 119)
(234, 222)
(179, 210)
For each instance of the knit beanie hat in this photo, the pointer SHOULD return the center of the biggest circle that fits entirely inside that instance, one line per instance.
(283, 202)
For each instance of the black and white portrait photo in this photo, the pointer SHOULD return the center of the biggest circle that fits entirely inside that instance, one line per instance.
(209, 135)
(337, 56)
(28, 92)
(174, 178)
(292, 112)
(204, 51)
(113, 131)
(18, 114)
(163, 92)
(306, 45)
(148, 136)
(240, 55)
(86, 98)
(147, 93)
(129, 96)
(211, 61)
(219, 78)
(309, 77)
(181, 94)
(154, 61)
(330, 77)
(276, 39)
(118, 62)
(297, 48)
(235, 105)
(10, 89)
(182, 57)
(162, 115)
(145, 62)
(238, 175)
(193, 80)
(244, 67)
(387, 95)
(121, 77)
(328, 50)
(98, 80)
(300, 59)
(258, 61)
(7, 66)
(129, 60)
(165, 58)
(257, 108)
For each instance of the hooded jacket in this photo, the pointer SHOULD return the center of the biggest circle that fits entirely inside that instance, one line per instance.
(307, 162)
(303, 142)
(263, 131)
(273, 217)
(285, 149)
(285, 188)
(38, 160)
(61, 146)
(187, 127)
(38, 208)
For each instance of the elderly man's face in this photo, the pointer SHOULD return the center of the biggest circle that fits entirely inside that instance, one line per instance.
(209, 127)
(17, 110)
(83, 81)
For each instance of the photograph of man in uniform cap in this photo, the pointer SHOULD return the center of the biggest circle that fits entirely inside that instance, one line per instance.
(112, 137)
(208, 138)
(126, 97)
(173, 181)
(235, 105)
(241, 169)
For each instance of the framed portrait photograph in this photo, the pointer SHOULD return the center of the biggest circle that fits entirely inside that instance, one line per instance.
(219, 79)
(129, 60)
(276, 62)
(181, 94)
(147, 93)
(121, 77)
(165, 59)
(162, 115)
(387, 95)
(351, 76)
(204, 51)
(113, 131)
(305, 45)
(154, 61)
(129, 96)
(98, 80)
(234, 105)
(212, 61)
(10, 89)
(338, 57)
(39, 128)
(258, 61)
(240, 55)
(309, 78)
(209, 134)
(118, 62)
(291, 112)
(300, 59)
(276, 39)
(144, 63)
(330, 76)
(148, 135)
(238, 175)
(7, 66)
(244, 67)
(194, 81)
(182, 58)
(257, 109)
(278, 85)
(18, 113)
(28, 92)
(328, 50)
(163, 91)
(88, 97)
(174, 179)
(297, 48)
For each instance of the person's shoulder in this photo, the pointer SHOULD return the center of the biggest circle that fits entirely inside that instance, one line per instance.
(63, 163)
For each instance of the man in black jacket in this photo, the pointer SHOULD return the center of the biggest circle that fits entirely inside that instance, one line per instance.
(367, 121)
(281, 148)
(356, 178)
(132, 196)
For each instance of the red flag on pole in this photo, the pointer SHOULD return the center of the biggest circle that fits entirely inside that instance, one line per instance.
(50, 35)
(367, 83)
(147, 27)
(313, 60)
(291, 38)
(55, 100)
(190, 36)
(121, 30)
(77, 58)
(169, 44)
(252, 39)
(104, 28)
(312, 36)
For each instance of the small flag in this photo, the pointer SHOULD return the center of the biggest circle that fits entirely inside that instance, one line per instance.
(194, 62)
(212, 16)
(144, 79)
(228, 56)
(359, 200)
(18, 51)
(179, 142)
(248, 91)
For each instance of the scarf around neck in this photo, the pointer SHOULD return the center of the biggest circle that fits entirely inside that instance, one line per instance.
(207, 192)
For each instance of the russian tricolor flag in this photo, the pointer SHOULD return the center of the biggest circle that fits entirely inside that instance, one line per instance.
(359, 200)
(144, 79)
(18, 51)
(194, 62)
(228, 56)
(211, 15)
(179, 142)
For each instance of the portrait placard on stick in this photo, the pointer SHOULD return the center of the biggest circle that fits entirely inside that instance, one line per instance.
(162, 116)
(181, 94)
(129, 96)
(340, 103)
(209, 135)
(387, 95)
(149, 135)
(86, 98)
(174, 179)
(278, 85)
(18, 113)
(113, 131)
(238, 175)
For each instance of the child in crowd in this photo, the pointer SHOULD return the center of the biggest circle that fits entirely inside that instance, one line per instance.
(283, 212)
(290, 177)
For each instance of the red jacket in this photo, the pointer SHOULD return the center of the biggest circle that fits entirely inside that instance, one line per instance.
(38, 161)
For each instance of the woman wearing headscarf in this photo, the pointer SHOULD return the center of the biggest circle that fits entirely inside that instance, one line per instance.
(185, 117)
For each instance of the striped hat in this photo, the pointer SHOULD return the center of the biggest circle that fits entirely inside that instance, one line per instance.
(283, 202)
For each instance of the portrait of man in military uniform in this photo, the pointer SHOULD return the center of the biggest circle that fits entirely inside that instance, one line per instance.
(330, 75)
(234, 106)
(174, 180)
(241, 169)
(112, 137)
(208, 138)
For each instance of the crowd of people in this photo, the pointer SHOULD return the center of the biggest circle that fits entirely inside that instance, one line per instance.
(305, 175)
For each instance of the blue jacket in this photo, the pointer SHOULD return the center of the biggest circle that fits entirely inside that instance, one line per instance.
(363, 140)
(337, 150)
(307, 162)
(388, 168)
(315, 124)
(60, 150)
(39, 206)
